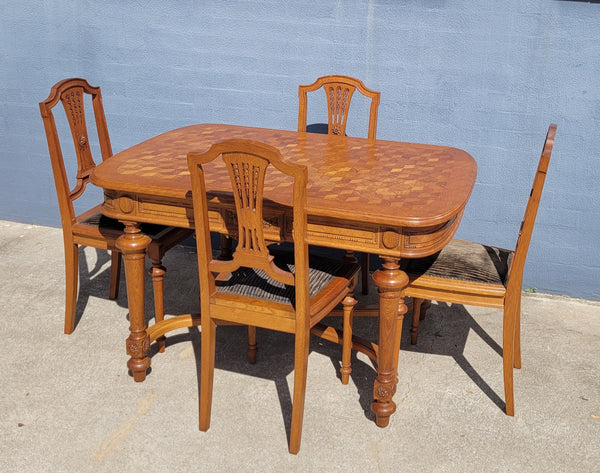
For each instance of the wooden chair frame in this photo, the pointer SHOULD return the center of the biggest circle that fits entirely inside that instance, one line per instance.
(502, 296)
(90, 228)
(247, 162)
(338, 90)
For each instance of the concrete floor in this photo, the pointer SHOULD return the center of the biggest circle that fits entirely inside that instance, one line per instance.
(68, 404)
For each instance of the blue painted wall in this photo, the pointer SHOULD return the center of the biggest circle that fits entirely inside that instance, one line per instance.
(484, 76)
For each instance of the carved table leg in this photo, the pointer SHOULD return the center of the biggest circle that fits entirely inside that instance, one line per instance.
(133, 245)
(390, 282)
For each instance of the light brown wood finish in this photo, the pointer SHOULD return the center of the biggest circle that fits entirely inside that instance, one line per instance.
(247, 163)
(90, 228)
(389, 198)
(338, 93)
(448, 285)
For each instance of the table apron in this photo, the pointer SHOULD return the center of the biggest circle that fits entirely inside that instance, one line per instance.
(346, 234)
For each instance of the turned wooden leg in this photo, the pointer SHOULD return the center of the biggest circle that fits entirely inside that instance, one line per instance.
(158, 276)
(133, 244)
(348, 305)
(252, 347)
(390, 282)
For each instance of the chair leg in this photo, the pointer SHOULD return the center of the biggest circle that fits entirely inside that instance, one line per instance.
(115, 273)
(424, 307)
(414, 329)
(300, 374)
(252, 347)
(158, 275)
(399, 320)
(348, 305)
(207, 371)
(508, 335)
(517, 338)
(420, 307)
(364, 268)
(71, 282)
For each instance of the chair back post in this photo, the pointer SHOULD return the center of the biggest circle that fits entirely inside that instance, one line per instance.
(101, 126)
(338, 91)
(299, 232)
(515, 272)
(373, 116)
(61, 181)
(201, 224)
(302, 104)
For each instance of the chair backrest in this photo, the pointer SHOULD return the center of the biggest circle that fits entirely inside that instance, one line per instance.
(515, 273)
(71, 93)
(338, 91)
(247, 162)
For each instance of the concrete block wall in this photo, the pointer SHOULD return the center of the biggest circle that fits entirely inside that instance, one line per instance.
(487, 77)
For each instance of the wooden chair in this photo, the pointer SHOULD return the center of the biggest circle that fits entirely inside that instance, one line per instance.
(91, 228)
(475, 274)
(338, 92)
(258, 287)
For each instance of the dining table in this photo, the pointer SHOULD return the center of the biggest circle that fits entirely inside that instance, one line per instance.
(388, 198)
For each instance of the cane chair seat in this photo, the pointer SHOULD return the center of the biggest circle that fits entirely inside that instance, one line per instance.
(256, 284)
(465, 261)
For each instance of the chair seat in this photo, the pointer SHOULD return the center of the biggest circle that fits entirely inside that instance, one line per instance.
(464, 261)
(255, 283)
(100, 220)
